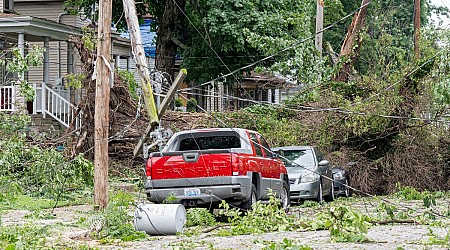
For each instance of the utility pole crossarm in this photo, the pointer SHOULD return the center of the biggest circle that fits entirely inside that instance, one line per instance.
(129, 8)
(171, 93)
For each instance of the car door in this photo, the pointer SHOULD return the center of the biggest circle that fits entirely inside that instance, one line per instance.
(263, 164)
(272, 166)
(324, 170)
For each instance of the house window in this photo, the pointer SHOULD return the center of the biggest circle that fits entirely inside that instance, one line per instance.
(8, 5)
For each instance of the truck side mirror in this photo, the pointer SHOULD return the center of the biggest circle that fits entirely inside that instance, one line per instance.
(323, 163)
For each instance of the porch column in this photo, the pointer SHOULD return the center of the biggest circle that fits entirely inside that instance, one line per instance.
(117, 61)
(69, 58)
(128, 63)
(20, 103)
(46, 60)
(277, 96)
(21, 44)
(269, 95)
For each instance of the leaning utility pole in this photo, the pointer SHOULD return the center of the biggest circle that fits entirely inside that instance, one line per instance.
(319, 26)
(101, 119)
(417, 28)
(129, 9)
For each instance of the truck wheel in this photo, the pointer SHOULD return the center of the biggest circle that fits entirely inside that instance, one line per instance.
(247, 205)
(330, 196)
(285, 200)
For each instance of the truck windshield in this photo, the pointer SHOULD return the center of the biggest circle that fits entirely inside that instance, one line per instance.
(210, 142)
(302, 157)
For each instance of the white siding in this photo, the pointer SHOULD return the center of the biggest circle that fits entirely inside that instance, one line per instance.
(35, 74)
(47, 10)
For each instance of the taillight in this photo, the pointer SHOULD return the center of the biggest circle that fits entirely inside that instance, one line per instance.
(148, 169)
(235, 164)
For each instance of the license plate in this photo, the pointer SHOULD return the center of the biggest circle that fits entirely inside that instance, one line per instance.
(191, 191)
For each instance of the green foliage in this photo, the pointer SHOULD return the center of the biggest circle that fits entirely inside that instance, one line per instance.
(9, 190)
(18, 64)
(344, 224)
(308, 203)
(286, 244)
(408, 193)
(129, 79)
(23, 237)
(389, 209)
(191, 105)
(199, 217)
(278, 126)
(241, 32)
(75, 81)
(115, 222)
(178, 102)
(88, 38)
(39, 171)
(261, 218)
(435, 239)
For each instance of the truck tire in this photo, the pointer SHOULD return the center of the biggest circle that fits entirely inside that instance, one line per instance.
(285, 199)
(247, 205)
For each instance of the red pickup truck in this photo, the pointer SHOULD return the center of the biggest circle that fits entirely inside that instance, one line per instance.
(203, 167)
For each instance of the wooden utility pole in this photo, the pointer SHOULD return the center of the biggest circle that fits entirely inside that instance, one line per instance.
(101, 118)
(417, 28)
(129, 8)
(319, 26)
(162, 108)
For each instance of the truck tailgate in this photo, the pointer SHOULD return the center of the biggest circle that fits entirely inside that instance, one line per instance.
(191, 164)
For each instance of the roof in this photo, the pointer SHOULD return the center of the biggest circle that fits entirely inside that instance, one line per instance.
(270, 80)
(36, 28)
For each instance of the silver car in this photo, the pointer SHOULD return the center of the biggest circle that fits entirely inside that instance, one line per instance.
(307, 169)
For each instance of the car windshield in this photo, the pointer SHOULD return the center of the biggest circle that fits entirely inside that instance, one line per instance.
(302, 157)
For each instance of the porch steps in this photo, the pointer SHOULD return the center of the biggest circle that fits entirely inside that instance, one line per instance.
(48, 125)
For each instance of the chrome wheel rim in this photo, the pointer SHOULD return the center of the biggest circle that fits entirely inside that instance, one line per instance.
(320, 194)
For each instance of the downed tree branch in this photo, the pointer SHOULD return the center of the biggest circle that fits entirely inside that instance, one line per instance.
(392, 221)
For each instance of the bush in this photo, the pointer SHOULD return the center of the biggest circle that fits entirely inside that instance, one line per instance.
(39, 171)
(192, 105)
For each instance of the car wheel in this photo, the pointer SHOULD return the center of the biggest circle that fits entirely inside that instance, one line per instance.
(330, 196)
(285, 200)
(319, 193)
(247, 205)
(347, 190)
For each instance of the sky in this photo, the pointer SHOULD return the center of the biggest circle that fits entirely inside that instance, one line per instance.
(445, 3)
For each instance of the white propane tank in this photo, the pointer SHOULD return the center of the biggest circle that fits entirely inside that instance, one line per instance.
(159, 219)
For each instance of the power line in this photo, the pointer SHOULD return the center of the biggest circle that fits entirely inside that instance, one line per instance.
(287, 48)
(316, 109)
(313, 171)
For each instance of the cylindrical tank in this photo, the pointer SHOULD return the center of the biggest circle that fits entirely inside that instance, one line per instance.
(159, 219)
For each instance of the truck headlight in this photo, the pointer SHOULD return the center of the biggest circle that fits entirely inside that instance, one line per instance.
(311, 177)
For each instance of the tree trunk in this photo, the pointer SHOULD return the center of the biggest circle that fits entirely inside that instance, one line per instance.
(352, 43)
(170, 24)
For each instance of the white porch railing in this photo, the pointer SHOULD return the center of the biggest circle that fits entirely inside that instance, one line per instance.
(48, 101)
(57, 106)
(7, 98)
